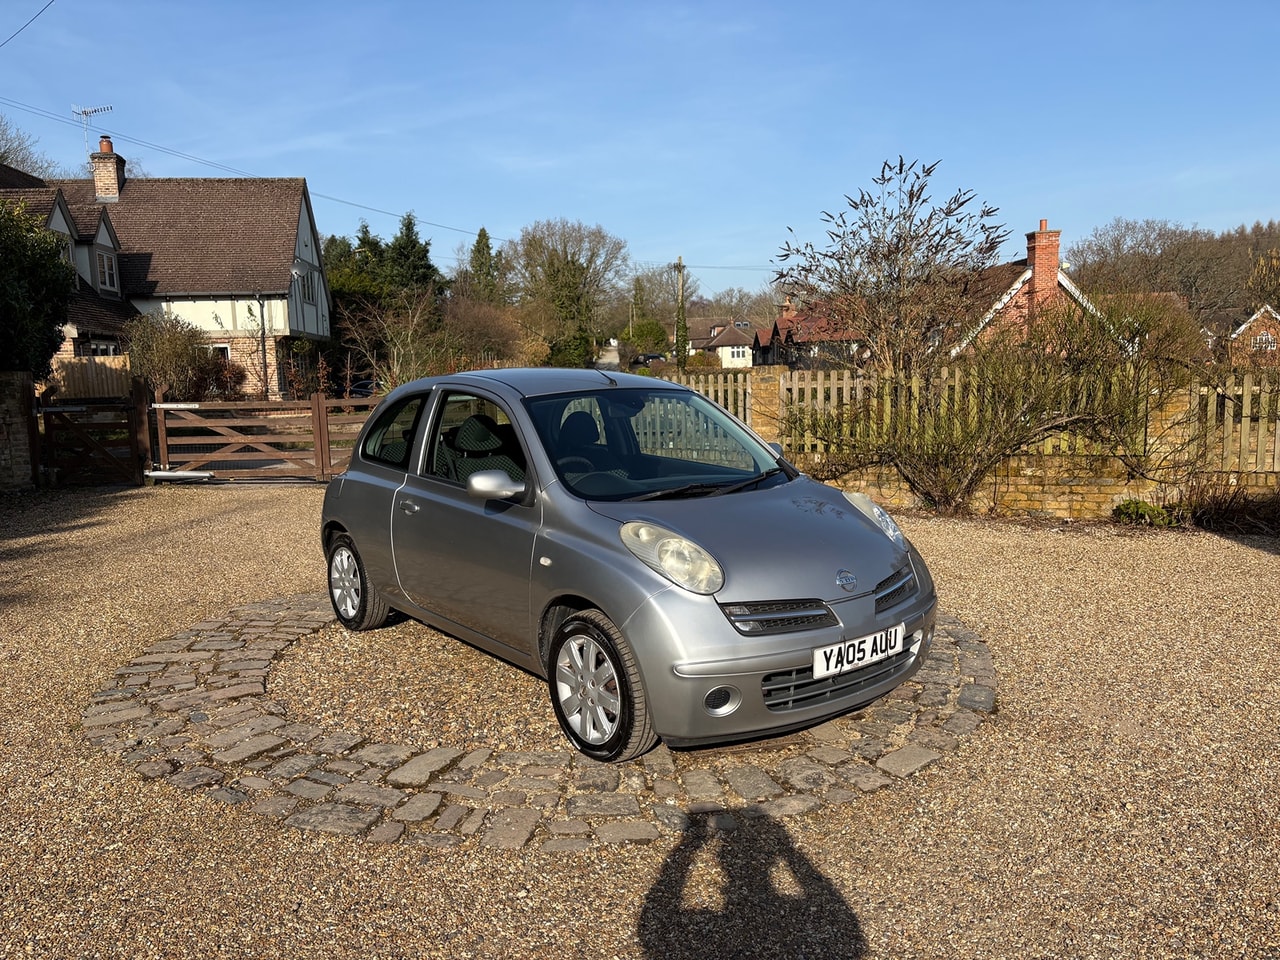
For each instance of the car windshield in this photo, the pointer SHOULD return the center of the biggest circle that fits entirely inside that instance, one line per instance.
(648, 444)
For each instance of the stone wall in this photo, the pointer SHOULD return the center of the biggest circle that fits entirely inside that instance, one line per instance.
(15, 430)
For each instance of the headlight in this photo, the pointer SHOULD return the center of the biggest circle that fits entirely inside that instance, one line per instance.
(678, 559)
(877, 514)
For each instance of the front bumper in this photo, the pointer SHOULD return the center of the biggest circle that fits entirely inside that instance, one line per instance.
(707, 683)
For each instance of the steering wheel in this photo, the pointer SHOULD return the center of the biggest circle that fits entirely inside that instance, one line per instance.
(576, 465)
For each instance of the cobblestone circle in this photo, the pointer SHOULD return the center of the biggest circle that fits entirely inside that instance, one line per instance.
(194, 710)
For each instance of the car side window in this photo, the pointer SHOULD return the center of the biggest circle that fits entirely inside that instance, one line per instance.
(472, 434)
(390, 440)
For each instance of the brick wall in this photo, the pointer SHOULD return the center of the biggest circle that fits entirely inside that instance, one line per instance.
(15, 430)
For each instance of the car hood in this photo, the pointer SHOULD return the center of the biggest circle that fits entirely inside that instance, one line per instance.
(785, 542)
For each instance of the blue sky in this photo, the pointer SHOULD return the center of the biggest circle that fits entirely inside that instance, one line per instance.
(700, 130)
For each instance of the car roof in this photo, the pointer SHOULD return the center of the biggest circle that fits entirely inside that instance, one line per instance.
(541, 381)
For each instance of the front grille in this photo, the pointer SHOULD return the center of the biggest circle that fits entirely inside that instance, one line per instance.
(769, 617)
(896, 588)
(797, 690)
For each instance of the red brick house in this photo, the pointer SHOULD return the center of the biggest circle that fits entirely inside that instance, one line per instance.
(222, 254)
(1254, 342)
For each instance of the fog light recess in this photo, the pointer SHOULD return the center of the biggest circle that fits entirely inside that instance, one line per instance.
(722, 701)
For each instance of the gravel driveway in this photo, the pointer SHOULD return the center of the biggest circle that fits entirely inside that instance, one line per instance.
(1121, 803)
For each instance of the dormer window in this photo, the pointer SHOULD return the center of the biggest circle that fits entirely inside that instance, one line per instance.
(107, 279)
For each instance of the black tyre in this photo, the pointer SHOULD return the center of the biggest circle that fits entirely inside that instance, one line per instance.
(596, 689)
(355, 600)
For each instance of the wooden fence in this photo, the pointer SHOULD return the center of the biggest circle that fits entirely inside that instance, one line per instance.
(1241, 423)
(88, 378)
(731, 390)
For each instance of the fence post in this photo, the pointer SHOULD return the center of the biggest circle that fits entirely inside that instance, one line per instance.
(162, 431)
(320, 435)
(140, 427)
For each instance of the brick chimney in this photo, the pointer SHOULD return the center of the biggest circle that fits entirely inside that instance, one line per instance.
(1044, 259)
(108, 172)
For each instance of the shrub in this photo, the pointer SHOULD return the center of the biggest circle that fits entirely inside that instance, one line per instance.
(1139, 513)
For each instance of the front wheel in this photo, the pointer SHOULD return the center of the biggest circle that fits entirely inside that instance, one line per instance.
(355, 601)
(596, 689)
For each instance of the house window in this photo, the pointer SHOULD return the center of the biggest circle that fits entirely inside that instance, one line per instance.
(104, 348)
(107, 272)
(220, 350)
(1264, 341)
(737, 353)
(307, 285)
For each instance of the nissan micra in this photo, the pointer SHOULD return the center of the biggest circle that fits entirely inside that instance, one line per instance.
(666, 571)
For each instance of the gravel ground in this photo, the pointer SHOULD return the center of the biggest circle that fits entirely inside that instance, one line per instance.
(1121, 803)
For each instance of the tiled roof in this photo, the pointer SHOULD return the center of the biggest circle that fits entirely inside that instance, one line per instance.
(729, 337)
(90, 312)
(11, 178)
(36, 201)
(201, 236)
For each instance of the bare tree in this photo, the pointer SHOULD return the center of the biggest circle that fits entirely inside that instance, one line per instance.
(896, 268)
(565, 273)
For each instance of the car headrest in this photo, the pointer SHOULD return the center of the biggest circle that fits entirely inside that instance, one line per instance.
(478, 434)
(578, 430)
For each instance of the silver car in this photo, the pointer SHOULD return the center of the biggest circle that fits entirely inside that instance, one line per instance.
(667, 572)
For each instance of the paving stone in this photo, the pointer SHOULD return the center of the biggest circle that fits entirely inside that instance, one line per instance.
(791, 806)
(195, 778)
(228, 795)
(802, 773)
(386, 832)
(346, 767)
(370, 795)
(275, 806)
(831, 756)
(329, 777)
(627, 831)
(451, 816)
(659, 761)
(438, 841)
(752, 783)
(384, 754)
(596, 777)
(701, 784)
(962, 723)
(334, 818)
(977, 697)
(418, 807)
(151, 769)
(603, 805)
(294, 766)
(248, 749)
(475, 758)
(705, 806)
(256, 784)
(511, 829)
(462, 790)
(508, 798)
(121, 715)
(531, 784)
(866, 779)
(419, 770)
(673, 818)
(473, 823)
(934, 739)
(337, 743)
(908, 760)
(308, 789)
(243, 731)
(491, 778)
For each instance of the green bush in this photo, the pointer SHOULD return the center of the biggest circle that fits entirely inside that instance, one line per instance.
(1139, 513)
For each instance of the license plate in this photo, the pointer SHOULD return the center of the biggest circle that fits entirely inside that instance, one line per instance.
(857, 653)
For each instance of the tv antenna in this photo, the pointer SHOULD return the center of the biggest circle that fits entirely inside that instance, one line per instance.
(84, 113)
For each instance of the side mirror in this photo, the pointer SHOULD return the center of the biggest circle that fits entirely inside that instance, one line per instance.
(776, 447)
(493, 485)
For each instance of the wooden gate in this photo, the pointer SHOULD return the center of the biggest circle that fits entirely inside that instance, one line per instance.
(284, 440)
(99, 443)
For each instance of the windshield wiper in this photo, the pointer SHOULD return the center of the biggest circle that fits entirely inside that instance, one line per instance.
(741, 484)
(688, 490)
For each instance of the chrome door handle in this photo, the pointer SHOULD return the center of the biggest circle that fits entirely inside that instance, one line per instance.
(408, 506)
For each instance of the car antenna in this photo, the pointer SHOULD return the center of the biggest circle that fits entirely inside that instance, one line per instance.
(607, 377)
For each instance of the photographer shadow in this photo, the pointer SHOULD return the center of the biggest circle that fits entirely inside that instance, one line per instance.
(745, 892)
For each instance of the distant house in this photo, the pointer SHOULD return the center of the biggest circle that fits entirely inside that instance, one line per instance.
(222, 254)
(1254, 342)
(1022, 287)
(806, 338)
(729, 340)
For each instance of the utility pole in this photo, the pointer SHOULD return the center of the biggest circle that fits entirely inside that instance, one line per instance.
(682, 326)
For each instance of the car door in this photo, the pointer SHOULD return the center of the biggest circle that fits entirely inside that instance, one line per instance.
(459, 557)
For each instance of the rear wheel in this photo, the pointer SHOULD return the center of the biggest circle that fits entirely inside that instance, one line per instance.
(355, 601)
(596, 690)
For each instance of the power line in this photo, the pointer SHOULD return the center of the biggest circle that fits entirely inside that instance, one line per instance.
(28, 23)
(179, 154)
